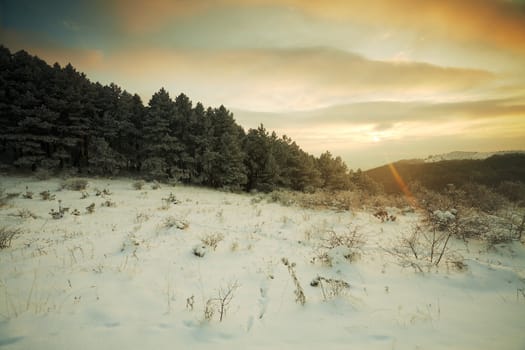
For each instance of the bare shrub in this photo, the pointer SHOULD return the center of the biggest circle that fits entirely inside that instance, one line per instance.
(330, 288)
(25, 214)
(427, 244)
(56, 214)
(6, 236)
(172, 221)
(28, 194)
(47, 196)
(190, 302)
(300, 298)
(74, 184)
(5, 198)
(483, 198)
(155, 185)
(91, 208)
(220, 304)
(141, 217)
(339, 246)
(168, 201)
(285, 198)
(492, 229)
(383, 215)
(209, 309)
(171, 199)
(108, 203)
(513, 191)
(139, 184)
(212, 240)
(339, 200)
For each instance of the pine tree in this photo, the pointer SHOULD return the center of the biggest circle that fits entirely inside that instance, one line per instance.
(161, 149)
(334, 172)
(260, 161)
(224, 162)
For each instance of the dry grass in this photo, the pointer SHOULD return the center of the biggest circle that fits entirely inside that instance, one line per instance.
(212, 240)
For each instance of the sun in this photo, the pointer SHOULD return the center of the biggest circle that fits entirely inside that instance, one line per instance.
(376, 138)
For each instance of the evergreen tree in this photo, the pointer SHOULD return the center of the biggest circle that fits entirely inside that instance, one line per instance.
(224, 162)
(260, 161)
(53, 117)
(334, 173)
(161, 149)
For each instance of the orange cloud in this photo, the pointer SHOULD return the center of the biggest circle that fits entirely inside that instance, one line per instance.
(273, 79)
(498, 23)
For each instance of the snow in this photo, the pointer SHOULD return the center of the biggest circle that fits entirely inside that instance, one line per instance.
(124, 277)
(458, 155)
(444, 216)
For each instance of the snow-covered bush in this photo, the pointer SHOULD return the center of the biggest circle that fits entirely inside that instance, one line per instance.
(426, 245)
(74, 184)
(493, 229)
(444, 218)
(336, 248)
(483, 198)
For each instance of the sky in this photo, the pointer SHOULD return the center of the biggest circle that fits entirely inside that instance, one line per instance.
(372, 81)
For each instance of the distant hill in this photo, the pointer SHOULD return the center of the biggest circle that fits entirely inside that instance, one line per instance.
(435, 175)
(458, 155)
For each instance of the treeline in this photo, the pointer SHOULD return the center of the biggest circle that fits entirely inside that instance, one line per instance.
(53, 118)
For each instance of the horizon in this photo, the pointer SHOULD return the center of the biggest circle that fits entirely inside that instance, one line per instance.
(372, 84)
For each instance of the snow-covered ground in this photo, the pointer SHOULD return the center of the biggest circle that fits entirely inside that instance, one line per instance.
(125, 276)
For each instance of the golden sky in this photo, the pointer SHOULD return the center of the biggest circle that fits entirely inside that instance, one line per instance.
(373, 81)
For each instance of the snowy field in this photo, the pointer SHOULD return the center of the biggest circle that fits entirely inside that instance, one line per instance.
(127, 276)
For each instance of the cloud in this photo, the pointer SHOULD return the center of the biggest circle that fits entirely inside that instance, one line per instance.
(141, 16)
(51, 52)
(368, 134)
(496, 23)
(288, 79)
(382, 116)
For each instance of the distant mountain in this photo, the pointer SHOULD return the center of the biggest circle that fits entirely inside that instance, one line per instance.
(435, 175)
(458, 155)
